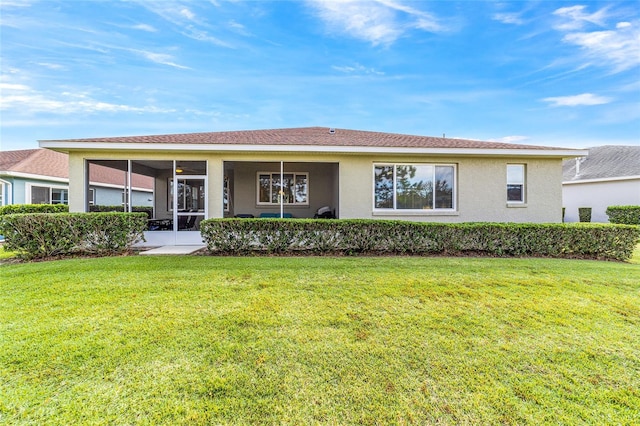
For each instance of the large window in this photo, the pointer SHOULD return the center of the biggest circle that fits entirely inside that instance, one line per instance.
(49, 195)
(414, 186)
(515, 183)
(294, 188)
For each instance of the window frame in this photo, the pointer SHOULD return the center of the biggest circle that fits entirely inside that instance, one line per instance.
(434, 209)
(521, 182)
(50, 189)
(277, 174)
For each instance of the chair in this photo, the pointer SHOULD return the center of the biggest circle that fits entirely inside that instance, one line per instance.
(191, 223)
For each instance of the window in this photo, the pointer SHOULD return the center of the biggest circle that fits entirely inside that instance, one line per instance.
(294, 188)
(414, 186)
(92, 196)
(515, 183)
(48, 195)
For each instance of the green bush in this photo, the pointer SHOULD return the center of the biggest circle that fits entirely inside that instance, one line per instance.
(595, 241)
(40, 235)
(627, 215)
(34, 208)
(136, 209)
(584, 214)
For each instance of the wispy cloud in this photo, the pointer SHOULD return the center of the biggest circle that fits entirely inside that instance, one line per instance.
(378, 22)
(145, 27)
(511, 139)
(187, 22)
(576, 17)
(159, 58)
(508, 18)
(617, 47)
(21, 97)
(585, 99)
(51, 66)
(357, 69)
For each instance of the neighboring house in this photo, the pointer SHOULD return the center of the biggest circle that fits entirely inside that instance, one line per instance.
(296, 172)
(40, 176)
(608, 176)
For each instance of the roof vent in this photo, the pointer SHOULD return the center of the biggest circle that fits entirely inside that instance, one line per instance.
(332, 130)
(579, 160)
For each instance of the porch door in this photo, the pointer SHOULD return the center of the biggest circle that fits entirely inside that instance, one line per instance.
(190, 201)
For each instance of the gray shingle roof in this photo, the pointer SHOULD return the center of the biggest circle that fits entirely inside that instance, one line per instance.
(604, 162)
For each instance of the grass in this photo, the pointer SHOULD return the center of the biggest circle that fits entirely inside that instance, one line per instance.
(202, 340)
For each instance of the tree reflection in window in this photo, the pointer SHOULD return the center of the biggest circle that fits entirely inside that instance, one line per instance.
(417, 187)
(383, 182)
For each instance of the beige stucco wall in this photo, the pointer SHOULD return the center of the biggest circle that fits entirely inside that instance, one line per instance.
(481, 184)
(481, 195)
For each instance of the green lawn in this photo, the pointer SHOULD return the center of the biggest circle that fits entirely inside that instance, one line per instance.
(321, 340)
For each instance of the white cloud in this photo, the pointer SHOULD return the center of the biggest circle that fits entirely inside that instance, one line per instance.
(575, 17)
(585, 99)
(357, 69)
(22, 98)
(508, 18)
(511, 139)
(618, 47)
(51, 66)
(179, 15)
(238, 28)
(378, 22)
(13, 87)
(159, 58)
(145, 27)
(187, 14)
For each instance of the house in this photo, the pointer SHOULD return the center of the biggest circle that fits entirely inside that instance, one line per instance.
(295, 172)
(608, 176)
(40, 176)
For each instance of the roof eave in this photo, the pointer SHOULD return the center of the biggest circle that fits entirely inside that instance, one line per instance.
(66, 146)
(599, 180)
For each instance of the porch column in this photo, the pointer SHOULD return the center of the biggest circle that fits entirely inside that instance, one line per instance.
(78, 181)
(215, 184)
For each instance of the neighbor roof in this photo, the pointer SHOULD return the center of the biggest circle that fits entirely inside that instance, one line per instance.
(306, 139)
(604, 162)
(45, 163)
(42, 162)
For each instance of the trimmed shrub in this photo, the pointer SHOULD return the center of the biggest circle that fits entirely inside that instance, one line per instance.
(34, 208)
(272, 236)
(627, 215)
(40, 235)
(584, 214)
(135, 209)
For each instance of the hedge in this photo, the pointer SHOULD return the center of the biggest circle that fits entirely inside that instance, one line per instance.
(34, 208)
(628, 215)
(273, 236)
(40, 235)
(136, 209)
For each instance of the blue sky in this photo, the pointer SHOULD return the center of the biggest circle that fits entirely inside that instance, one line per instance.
(556, 73)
